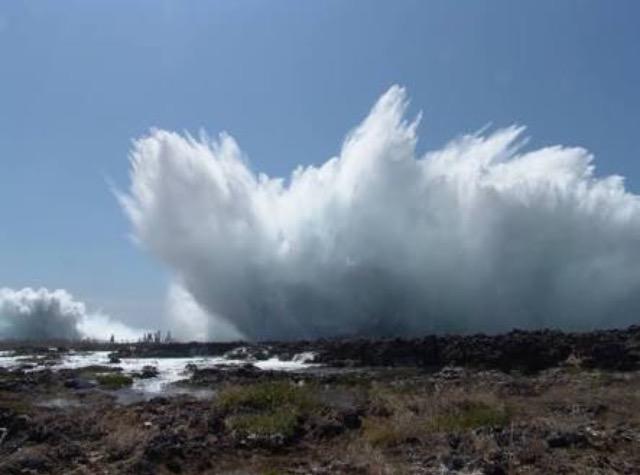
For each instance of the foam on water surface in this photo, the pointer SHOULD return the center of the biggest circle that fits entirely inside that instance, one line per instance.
(170, 370)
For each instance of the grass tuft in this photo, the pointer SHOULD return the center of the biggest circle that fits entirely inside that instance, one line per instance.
(266, 424)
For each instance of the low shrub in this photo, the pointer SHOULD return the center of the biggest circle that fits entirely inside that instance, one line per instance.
(266, 409)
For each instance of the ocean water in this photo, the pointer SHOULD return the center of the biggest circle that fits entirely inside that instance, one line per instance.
(170, 370)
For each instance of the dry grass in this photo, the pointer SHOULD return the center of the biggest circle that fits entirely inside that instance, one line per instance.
(123, 440)
(406, 416)
(362, 456)
(124, 434)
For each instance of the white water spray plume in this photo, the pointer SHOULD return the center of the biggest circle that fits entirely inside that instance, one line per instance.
(481, 235)
(42, 314)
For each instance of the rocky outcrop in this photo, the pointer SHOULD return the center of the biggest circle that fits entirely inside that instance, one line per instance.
(526, 351)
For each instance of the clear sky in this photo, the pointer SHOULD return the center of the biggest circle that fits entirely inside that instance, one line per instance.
(80, 79)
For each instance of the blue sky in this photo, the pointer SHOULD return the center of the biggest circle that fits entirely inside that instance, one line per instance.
(80, 79)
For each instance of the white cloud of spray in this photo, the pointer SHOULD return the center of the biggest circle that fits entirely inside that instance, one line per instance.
(192, 322)
(52, 314)
(480, 235)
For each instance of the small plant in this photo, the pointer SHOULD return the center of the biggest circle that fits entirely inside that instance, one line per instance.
(114, 380)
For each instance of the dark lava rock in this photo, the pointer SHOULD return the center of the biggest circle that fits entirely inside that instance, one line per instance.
(191, 368)
(351, 420)
(612, 356)
(79, 383)
(35, 462)
(149, 371)
(271, 442)
(567, 439)
(328, 429)
(489, 468)
(165, 446)
(524, 351)
(13, 422)
(455, 462)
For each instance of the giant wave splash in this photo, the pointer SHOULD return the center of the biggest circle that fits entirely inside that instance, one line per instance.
(481, 235)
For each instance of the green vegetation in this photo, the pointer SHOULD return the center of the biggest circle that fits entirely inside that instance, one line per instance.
(471, 415)
(114, 380)
(266, 409)
(265, 424)
(267, 396)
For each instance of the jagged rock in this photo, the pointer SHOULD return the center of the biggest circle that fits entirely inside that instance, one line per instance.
(149, 371)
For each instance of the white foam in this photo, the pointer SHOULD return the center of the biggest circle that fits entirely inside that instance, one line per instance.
(170, 370)
(480, 235)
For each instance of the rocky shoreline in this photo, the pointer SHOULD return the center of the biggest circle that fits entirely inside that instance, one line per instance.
(520, 402)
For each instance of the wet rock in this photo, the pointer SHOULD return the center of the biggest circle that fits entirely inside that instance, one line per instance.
(149, 371)
(248, 369)
(114, 358)
(191, 368)
(249, 353)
